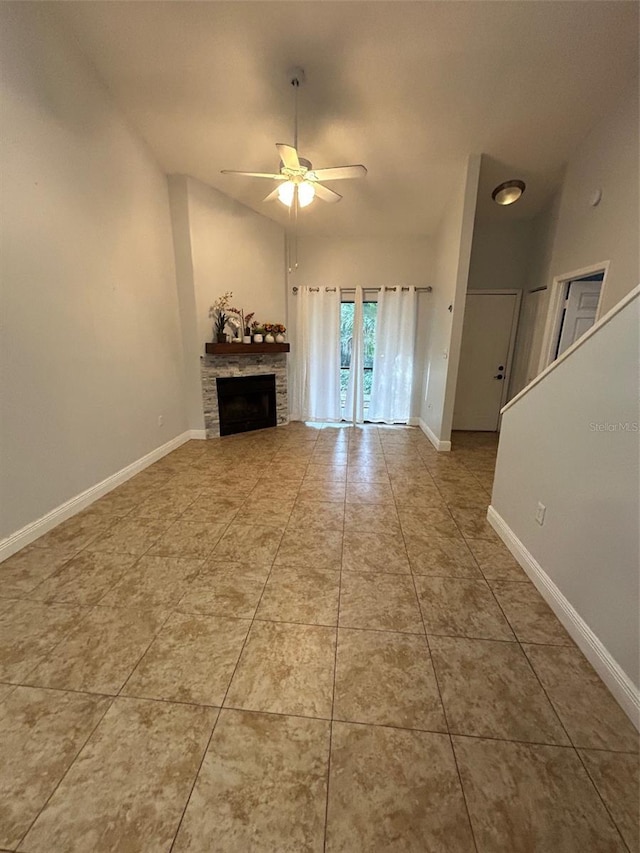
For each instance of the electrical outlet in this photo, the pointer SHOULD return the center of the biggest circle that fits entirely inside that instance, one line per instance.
(160, 420)
(540, 511)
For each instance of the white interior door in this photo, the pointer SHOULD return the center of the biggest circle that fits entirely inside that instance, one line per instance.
(487, 342)
(524, 357)
(580, 311)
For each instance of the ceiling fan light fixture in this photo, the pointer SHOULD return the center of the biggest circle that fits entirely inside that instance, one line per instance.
(285, 192)
(306, 193)
(508, 192)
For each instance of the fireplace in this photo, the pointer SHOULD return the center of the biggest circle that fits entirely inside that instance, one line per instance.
(246, 403)
(214, 366)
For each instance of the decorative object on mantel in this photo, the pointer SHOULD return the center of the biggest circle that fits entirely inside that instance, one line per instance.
(224, 315)
(219, 313)
(274, 333)
(258, 332)
(245, 349)
(242, 324)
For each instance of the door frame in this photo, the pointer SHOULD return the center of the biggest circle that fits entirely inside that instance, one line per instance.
(512, 337)
(556, 303)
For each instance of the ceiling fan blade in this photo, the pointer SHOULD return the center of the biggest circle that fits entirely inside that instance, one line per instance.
(337, 173)
(254, 174)
(273, 195)
(326, 194)
(288, 155)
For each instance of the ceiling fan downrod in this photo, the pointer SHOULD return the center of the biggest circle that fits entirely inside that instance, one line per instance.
(297, 79)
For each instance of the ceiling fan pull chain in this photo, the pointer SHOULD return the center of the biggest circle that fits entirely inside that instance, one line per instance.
(292, 235)
(295, 228)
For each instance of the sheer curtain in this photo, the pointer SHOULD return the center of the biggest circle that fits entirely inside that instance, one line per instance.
(315, 387)
(392, 380)
(354, 401)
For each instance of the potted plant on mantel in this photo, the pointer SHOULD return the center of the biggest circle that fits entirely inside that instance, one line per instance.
(258, 332)
(269, 337)
(273, 332)
(219, 313)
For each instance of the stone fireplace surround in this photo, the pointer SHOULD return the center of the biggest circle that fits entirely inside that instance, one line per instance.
(213, 366)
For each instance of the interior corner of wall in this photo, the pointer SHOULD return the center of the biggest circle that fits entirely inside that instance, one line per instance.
(474, 164)
(467, 220)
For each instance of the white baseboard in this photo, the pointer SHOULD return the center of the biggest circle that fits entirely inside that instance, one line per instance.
(32, 531)
(618, 682)
(197, 434)
(433, 438)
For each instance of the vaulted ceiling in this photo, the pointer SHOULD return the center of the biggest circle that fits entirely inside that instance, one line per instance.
(407, 88)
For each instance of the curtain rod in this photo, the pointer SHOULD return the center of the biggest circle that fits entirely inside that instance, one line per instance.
(428, 289)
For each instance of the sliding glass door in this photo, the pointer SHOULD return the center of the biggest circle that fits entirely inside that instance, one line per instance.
(354, 357)
(369, 318)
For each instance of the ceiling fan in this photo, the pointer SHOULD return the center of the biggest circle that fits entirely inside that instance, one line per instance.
(298, 182)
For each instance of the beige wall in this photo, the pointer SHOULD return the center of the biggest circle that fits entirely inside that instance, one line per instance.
(570, 234)
(501, 255)
(369, 262)
(452, 256)
(220, 246)
(91, 344)
(561, 444)
(183, 252)
(236, 249)
(607, 159)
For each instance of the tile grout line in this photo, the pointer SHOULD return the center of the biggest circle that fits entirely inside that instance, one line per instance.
(442, 705)
(335, 669)
(601, 798)
(571, 743)
(222, 706)
(170, 613)
(453, 749)
(66, 772)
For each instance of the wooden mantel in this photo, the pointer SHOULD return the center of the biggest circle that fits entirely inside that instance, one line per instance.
(244, 349)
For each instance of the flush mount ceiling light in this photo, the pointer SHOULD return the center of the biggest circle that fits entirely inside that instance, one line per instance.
(508, 192)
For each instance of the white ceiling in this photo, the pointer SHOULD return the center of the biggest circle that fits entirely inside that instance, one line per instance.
(407, 88)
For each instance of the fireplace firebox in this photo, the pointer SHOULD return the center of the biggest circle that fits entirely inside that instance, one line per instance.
(246, 403)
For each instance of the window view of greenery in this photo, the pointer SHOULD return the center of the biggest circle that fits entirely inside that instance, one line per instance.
(369, 313)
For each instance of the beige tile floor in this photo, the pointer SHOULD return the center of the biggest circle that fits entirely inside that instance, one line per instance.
(302, 639)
